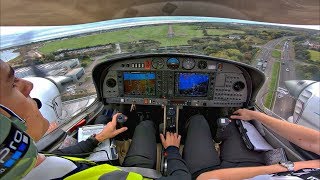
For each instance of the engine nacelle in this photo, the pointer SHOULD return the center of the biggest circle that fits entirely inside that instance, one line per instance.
(47, 92)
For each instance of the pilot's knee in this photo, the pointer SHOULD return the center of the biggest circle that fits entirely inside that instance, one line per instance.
(198, 118)
(146, 124)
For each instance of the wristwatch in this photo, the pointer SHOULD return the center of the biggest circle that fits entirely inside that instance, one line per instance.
(95, 141)
(287, 164)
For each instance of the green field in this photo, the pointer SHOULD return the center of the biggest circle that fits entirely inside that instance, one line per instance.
(158, 33)
(182, 33)
(276, 54)
(221, 32)
(272, 85)
(315, 55)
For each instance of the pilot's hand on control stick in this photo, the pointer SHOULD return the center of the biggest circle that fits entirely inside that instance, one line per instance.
(172, 139)
(110, 130)
(243, 114)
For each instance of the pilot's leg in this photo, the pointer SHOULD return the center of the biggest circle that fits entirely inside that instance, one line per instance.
(143, 148)
(199, 152)
(234, 152)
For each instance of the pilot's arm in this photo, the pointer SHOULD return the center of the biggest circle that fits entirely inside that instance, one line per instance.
(306, 138)
(177, 168)
(249, 172)
(87, 146)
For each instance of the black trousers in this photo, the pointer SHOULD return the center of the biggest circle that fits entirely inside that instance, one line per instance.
(201, 156)
(143, 149)
(199, 152)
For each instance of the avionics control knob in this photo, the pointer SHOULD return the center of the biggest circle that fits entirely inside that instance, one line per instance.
(111, 82)
(238, 86)
(171, 112)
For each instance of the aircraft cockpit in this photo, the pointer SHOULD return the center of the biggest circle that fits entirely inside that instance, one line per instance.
(165, 62)
(176, 82)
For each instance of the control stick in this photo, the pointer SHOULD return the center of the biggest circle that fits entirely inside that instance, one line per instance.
(222, 124)
(121, 119)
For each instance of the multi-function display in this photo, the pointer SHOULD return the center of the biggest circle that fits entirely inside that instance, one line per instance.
(192, 84)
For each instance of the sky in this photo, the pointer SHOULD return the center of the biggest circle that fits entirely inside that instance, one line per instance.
(19, 35)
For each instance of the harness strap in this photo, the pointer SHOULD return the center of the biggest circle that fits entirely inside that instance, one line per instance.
(145, 172)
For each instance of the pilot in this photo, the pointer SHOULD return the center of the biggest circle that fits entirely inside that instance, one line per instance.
(236, 161)
(23, 161)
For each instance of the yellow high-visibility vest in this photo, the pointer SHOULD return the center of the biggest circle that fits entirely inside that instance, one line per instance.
(96, 171)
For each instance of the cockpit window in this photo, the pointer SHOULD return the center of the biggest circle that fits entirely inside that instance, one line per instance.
(66, 56)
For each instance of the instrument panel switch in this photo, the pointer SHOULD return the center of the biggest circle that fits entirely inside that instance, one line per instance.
(147, 64)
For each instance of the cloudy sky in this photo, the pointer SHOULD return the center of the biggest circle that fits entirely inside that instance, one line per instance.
(15, 35)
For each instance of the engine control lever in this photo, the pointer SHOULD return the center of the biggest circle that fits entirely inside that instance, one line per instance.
(171, 115)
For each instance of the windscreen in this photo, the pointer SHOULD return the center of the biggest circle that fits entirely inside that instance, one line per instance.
(67, 54)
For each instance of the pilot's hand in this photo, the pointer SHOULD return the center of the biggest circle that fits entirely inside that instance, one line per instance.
(110, 130)
(172, 139)
(243, 114)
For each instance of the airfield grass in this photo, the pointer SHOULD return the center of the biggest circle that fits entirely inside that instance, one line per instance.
(182, 33)
(157, 33)
(221, 32)
(272, 85)
(315, 55)
(276, 54)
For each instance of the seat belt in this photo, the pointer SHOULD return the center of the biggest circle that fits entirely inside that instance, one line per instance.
(145, 172)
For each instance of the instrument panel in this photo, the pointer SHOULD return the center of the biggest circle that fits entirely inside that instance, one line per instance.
(186, 81)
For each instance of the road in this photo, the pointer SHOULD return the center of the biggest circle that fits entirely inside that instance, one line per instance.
(265, 56)
(284, 106)
(88, 83)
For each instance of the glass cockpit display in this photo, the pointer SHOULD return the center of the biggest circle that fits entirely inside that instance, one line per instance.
(139, 83)
(192, 84)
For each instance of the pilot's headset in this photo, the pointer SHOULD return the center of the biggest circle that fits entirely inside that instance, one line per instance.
(18, 153)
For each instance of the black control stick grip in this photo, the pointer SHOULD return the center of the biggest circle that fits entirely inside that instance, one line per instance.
(222, 124)
(121, 118)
